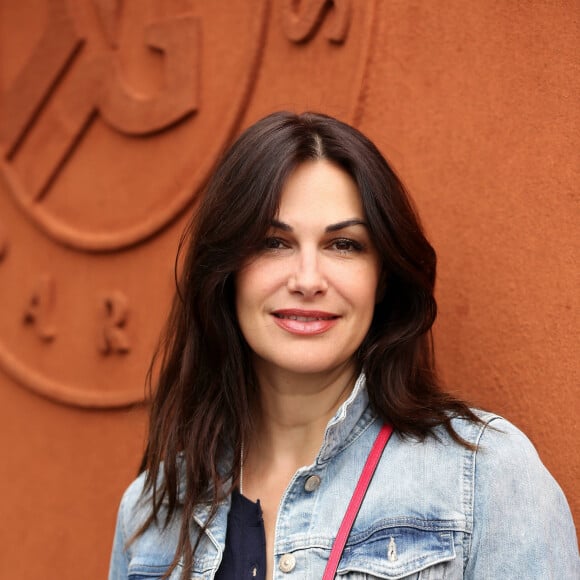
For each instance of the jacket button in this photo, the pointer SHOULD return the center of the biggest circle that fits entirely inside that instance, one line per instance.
(312, 483)
(287, 563)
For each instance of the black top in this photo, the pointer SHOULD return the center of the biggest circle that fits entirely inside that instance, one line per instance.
(245, 550)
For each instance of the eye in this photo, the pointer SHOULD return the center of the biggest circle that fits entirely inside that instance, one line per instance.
(272, 243)
(346, 246)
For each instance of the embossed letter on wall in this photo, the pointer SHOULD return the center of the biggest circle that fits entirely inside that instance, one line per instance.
(302, 23)
(128, 111)
(39, 310)
(114, 339)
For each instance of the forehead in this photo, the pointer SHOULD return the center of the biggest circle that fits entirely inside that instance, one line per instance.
(319, 190)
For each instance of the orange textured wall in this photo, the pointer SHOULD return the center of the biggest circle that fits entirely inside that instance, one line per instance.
(111, 115)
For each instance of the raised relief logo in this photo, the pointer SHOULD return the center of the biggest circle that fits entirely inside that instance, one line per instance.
(112, 115)
(98, 95)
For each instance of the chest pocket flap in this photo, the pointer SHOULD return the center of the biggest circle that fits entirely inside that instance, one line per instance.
(146, 570)
(396, 552)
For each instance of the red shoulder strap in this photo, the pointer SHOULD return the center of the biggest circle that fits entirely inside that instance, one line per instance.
(356, 501)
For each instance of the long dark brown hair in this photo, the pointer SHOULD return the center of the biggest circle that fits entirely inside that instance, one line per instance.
(201, 407)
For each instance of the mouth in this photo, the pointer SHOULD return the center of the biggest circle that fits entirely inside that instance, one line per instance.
(305, 322)
(303, 315)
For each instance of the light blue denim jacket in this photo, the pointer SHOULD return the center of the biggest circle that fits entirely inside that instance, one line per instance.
(434, 510)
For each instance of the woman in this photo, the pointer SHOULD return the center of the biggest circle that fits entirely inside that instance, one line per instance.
(301, 326)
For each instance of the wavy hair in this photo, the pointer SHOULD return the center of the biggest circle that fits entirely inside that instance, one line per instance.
(206, 387)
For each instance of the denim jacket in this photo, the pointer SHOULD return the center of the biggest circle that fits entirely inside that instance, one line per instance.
(434, 510)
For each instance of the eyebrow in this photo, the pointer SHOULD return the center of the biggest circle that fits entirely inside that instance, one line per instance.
(330, 228)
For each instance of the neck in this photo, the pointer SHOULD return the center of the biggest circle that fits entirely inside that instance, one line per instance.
(294, 413)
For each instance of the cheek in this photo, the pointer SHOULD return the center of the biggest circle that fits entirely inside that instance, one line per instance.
(260, 279)
(364, 288)
(248, 283)
(255, 285)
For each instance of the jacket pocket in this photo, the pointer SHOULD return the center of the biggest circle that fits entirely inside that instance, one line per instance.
(152, 567)
(146, 570)
(393, 553)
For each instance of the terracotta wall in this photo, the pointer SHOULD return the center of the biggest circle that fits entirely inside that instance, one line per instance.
(111, 115)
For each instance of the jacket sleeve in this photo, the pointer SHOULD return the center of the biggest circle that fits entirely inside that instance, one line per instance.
(522, 525)
(119, 566)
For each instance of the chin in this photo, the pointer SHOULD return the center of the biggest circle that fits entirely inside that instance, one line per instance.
(307, 365)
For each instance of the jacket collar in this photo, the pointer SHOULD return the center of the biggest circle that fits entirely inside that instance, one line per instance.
(350, 420)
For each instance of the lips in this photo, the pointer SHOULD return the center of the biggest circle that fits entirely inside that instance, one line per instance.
(305, 322)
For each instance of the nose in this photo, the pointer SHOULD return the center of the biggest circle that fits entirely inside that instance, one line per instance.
(307, 277)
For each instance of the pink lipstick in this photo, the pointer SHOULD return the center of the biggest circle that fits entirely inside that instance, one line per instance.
(304, 322)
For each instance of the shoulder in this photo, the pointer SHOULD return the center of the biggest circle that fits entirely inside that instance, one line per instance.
(491, 434)
(504, 456)
(134, 508)
(134, 490)
(497, 441)
(501, 464)
(499, 445)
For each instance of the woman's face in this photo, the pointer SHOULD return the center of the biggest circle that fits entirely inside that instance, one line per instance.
(306, 301)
